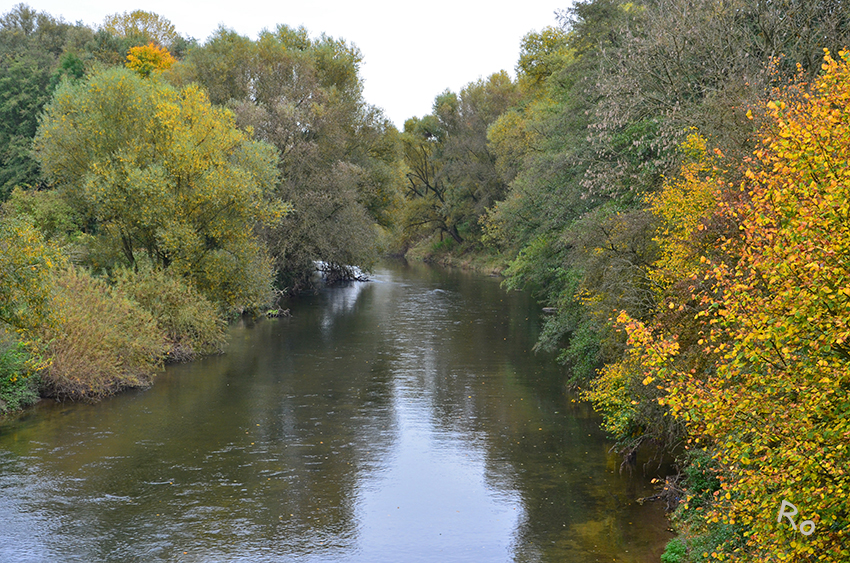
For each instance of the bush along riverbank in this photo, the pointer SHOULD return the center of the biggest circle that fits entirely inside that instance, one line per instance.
(98, 337)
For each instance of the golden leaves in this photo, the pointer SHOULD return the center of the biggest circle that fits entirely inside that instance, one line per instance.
(146, 59)
(25, 284)
(774, 405)
(770, 400)
(169, 175)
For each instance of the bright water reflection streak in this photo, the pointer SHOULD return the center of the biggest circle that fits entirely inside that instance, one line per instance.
(403, 419)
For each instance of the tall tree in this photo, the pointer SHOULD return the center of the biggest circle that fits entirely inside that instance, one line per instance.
(35, 50)
(452, 175)
(339, 161)
(142, 26)
(161, 173)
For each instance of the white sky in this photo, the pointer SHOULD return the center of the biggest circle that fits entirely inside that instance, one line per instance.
(412, 51)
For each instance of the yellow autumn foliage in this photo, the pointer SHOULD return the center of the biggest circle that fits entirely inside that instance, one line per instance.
(769, 400)
(166, 176)
(146, 59)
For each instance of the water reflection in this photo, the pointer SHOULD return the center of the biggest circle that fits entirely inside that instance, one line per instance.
(400, 419)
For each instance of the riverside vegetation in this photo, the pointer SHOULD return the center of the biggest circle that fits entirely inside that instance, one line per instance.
(668, 176)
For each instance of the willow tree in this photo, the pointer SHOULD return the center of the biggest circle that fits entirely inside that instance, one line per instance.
(161, 174)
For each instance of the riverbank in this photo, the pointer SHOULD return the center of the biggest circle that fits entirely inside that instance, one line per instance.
(467, 256)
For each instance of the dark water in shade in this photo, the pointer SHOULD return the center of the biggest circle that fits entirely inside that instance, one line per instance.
(401, 420)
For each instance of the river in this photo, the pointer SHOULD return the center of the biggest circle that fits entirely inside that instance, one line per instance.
(404, 419)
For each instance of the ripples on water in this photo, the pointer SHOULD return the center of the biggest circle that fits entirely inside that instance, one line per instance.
(403, 419)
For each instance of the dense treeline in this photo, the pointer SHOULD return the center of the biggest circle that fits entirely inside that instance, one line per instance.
(668, 176)
(153, 187)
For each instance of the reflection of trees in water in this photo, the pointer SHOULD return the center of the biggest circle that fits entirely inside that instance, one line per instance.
(339, 301)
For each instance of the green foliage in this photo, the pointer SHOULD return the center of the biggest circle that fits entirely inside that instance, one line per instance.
(49, 211)
(339, 161)
(18, 388)
(583, 352)
(606, 103)
(191, 323)
(34, 51)
(70, 65)
(542, 54)
(452, 176)
(698, 537)
(101, 341)
(675, 552)
(162, 173)
(220, 66)
(106, 49)
(701, 478)
(627, 392)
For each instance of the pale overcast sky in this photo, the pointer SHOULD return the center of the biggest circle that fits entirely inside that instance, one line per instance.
(412, 50)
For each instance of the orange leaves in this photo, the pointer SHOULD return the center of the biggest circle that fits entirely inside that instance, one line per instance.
(149, 58)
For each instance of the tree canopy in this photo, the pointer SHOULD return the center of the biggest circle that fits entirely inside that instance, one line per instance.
(161, 173)
(339, 164)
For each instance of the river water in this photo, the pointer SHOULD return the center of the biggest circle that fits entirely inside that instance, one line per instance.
(404, 419)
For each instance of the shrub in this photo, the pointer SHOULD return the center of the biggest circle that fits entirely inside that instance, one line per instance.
(18, 388)
(675, 552)
(102, 341)
(51, 213)
(25, 265)
(190, 322)
(700, 537)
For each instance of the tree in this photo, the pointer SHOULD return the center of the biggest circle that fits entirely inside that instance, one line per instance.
(427, 208)
(142, 26)
(775, 411)
(146, 59)
(35, 50)
(679, 64)
(339, 160)
(756, 368)
(542, 54)
(565, 243)
(452, 177)
(604, 125)
(222, 65)
(160, 173)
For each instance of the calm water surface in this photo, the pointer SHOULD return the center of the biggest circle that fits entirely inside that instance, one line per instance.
(401, 420)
